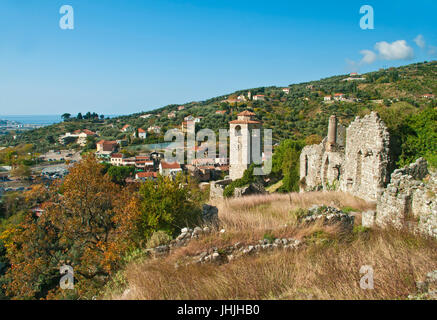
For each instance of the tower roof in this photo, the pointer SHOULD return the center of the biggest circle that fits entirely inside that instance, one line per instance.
(246, 113)
(244, 122)
(245, 117)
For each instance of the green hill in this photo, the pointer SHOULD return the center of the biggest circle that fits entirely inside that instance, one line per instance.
(397, 93)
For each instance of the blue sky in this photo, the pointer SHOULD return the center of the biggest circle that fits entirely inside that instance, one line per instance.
(128, 56)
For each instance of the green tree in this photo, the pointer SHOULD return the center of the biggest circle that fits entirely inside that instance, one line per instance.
(167, 206)
(66, 116)
(119, 174)
(285, 163)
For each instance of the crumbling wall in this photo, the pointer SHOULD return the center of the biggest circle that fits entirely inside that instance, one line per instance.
(310, 165)
(367, 158)
(217, 188)
(410, 200)
(331, 170)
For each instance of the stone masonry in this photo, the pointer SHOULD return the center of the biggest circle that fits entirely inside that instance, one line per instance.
(354, 160)
(410, 200)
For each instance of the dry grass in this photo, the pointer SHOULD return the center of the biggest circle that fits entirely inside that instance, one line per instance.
(314, 272)
(268, 212)
(248, 219)
(327, 268)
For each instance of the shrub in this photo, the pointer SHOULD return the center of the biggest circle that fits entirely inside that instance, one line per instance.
(158, 238)
(167, 206)
(269, 237)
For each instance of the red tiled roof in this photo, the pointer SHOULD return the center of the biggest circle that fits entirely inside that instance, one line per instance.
(223, 168)
(140, 130)
(339, 94)
(117, 155)
(244, 122)
(88, 132)
(147, 174)
(125, 126)
(246, 113)
(107, 142)
(167, 165)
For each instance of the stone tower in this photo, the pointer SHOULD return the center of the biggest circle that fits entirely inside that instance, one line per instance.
(332, 134)
(241, 143)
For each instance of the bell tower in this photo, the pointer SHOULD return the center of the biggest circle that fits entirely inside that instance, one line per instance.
(241, 143)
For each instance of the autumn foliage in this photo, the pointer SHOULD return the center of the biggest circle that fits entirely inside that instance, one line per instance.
(89, 223)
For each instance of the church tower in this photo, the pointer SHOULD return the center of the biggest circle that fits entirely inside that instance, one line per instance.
(241, 143)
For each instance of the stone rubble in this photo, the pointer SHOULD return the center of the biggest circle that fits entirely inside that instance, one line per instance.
(329, 216)
(221, 255)
(426, 290)
(230, 253)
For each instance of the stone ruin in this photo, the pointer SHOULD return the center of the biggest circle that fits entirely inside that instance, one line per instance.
(355, 160)
(409, 201)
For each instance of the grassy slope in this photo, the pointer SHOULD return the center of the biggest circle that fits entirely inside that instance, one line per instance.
(327, 267)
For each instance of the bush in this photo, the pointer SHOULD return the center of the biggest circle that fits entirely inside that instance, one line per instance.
(158, 238)
(168, 206)
(269, 237)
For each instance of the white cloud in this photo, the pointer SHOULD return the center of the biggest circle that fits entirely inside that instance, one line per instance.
(369, 57)
(432, 51)
(420, 41)
(398, 50)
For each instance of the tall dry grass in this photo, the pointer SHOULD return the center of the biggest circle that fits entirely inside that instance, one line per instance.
(248, 219)
(274, 211)
(326, 268)
(317, 271)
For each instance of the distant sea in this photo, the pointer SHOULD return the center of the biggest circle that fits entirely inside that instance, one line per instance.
(42, 120)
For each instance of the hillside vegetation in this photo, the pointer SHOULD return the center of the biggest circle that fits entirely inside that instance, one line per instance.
(396, 93)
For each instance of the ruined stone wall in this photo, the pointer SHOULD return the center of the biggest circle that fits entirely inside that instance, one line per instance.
(310, 164)
(341, 135)
(331, 170)
(367, 158)
(217, 188)
(410, 200)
